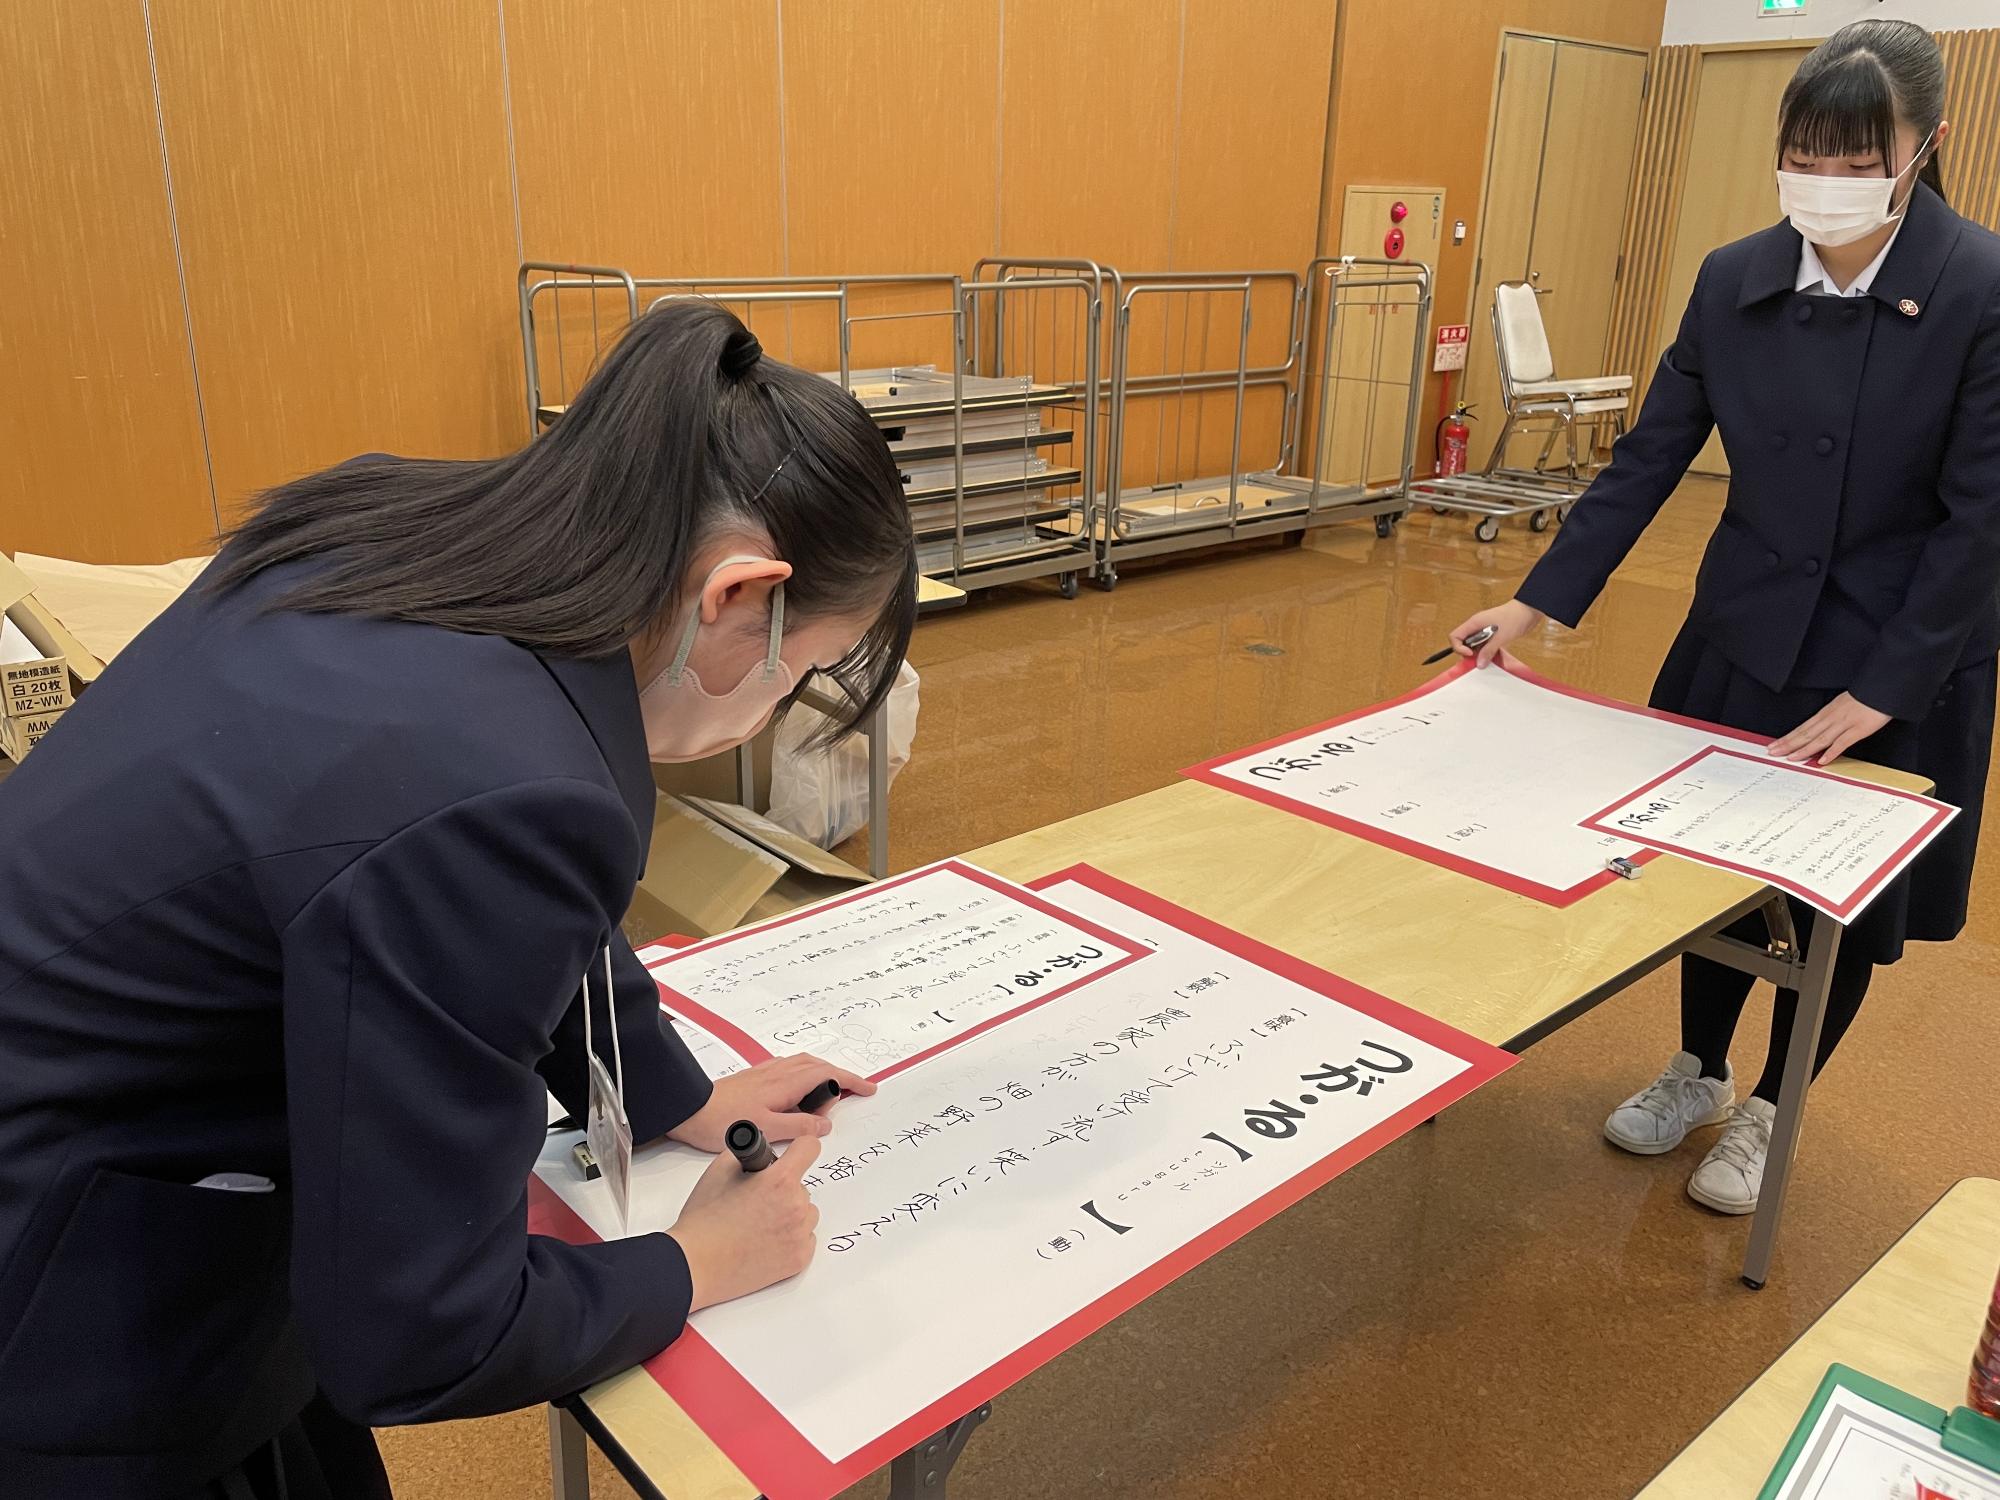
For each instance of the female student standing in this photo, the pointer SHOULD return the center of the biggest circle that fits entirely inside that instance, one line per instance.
(1850, 358)
(306, 898)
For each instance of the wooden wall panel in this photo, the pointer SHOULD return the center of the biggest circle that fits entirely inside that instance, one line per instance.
(898, 175)
(340, 174)
(99, 426)
(1734, 192)
(1250, 148)
(1658, 177)
(1972, 155)
(1415, 103)
(646, 135)
(1088, 94)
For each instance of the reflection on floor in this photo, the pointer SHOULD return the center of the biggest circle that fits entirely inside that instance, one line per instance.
(1501, 1304)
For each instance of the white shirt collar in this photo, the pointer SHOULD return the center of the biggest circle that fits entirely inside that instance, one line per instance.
(1813, 277)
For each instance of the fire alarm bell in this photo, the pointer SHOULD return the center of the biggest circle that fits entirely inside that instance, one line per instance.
(1398, 212)
(1392, 243)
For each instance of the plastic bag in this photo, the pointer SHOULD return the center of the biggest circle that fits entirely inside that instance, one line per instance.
(822, 795)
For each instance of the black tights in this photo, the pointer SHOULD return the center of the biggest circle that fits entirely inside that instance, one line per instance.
(1712, 999)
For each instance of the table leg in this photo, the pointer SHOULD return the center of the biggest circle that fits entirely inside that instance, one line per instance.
(569, 1456)
(1821, 949)
(878, 790)
(923, 1472)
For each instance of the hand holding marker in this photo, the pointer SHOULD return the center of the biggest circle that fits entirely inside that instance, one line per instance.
(1473, 642)
(746, 1142)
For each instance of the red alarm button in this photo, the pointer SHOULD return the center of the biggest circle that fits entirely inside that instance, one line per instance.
(1392, 243)
(1398, 211)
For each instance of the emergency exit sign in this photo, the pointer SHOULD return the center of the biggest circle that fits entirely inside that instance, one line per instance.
(1782, 7)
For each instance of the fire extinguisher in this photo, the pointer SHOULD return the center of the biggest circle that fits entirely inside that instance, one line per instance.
(1451, 439)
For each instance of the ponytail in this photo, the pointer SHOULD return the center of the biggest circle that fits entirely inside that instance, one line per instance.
(577, 544)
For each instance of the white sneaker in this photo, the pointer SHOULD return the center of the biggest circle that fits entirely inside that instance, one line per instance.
(1658, 1117)
(1730, 1177)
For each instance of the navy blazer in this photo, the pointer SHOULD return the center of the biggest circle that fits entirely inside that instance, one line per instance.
(310, 896)
(1860, 546)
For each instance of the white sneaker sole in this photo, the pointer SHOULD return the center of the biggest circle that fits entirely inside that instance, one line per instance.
(1736, 1208)
(1661, 1148)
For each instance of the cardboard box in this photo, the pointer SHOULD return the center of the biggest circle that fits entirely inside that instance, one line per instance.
(19, 735)
(43, 630)
(103, 605)
(716, 865)
(33, 687)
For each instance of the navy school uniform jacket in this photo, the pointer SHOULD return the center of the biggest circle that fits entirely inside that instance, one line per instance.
(310, 896)
(1860, 546)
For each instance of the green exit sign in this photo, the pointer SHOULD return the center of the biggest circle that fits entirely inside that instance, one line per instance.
(1782, 7)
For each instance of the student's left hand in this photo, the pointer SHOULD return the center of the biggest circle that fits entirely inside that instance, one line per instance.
(769, 1095)
(1826, 736)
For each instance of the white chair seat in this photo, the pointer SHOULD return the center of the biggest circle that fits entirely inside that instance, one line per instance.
(1542, 406)
(1589, 385)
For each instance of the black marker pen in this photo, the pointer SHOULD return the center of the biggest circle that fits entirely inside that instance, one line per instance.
(747, 1144)
(1473, 642)
(821, 1096)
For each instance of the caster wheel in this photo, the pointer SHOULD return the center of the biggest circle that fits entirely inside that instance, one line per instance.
(1067, 583)
(1106, 582)
(1562, 513)
(1539, 521)
(1487, 530)
(1385, 526)
(1440, 510)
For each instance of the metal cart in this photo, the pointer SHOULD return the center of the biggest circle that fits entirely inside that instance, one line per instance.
(992, 498)
(1171, 396)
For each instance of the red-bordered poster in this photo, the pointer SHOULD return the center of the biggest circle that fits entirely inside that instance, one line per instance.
(883, 977)
(1830, 840)
(1488, 772)
(1028, 1184)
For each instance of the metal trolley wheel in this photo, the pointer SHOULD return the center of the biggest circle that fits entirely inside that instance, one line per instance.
(1385, 526)
(1539, 521)
(1488, 530)
(1067, 583)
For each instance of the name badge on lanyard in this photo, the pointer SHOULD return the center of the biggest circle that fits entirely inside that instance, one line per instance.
(606, 1127)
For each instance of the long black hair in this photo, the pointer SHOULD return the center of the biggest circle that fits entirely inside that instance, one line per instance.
(1847, 95)
(576, 544)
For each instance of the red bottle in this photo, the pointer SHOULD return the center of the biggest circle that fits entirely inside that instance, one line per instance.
(1983, 1393)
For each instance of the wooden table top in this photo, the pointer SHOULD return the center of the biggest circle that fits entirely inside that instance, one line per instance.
(1499, 966)
(1911, 1320)
(1496, 965)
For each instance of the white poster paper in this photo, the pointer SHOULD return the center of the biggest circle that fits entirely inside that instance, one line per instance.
(878, 977)
(1860, 1450)
(1831, 841)
(984, 1201)
(1491, 772)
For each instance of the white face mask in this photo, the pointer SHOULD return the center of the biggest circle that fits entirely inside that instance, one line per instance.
(1836, 211)
(685, 721)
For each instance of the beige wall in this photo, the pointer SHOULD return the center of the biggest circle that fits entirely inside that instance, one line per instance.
(1415, 104)
(353, 185)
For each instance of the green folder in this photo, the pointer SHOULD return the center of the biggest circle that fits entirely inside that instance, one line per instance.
(1963, 1433)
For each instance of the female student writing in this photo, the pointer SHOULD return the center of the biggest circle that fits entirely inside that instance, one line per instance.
(305, 898)
(1850, 359)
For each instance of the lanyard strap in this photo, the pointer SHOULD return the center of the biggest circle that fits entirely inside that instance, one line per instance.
(611, 1013)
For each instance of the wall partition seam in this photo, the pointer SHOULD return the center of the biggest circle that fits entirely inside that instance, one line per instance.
(180, 264)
